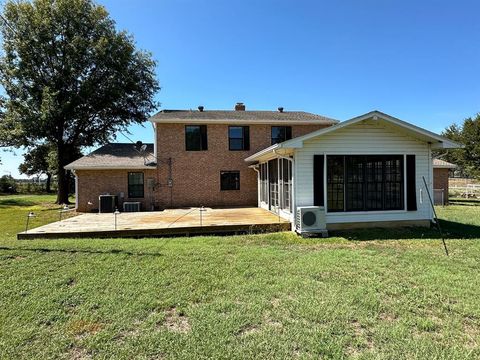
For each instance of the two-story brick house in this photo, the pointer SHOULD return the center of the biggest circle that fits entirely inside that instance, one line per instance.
(198, 158)
(371, 170)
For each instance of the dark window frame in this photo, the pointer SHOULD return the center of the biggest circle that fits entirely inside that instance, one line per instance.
(245, 138)
(226, 184)
(132, 193)
(365, 183)
(202, 138)
(287, 134)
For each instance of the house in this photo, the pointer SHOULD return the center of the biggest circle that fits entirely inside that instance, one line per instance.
(197, 159)
(367, 171)
(441, 172)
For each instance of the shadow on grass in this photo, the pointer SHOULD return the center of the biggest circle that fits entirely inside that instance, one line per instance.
(4, 203)
(451, 230)
(82, 251)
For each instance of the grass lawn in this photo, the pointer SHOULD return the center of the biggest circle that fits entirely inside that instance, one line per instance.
(390, 294)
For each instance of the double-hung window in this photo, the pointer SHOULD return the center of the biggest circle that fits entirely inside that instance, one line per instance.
(229, 180)
(281, 134)
(135, 185)
(238, 138)
(196, 137)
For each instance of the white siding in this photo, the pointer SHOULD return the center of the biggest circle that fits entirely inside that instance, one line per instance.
(364, 138)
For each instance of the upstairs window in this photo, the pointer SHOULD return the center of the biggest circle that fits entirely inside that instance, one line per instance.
(229, 180)
(238, 138)
(196, 137)
(135, 185)
(281, 134)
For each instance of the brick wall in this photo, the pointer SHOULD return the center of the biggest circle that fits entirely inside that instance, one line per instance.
(92, 183)
(440, 181)
(195, 174)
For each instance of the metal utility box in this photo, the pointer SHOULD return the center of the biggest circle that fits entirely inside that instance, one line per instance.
(107, 203)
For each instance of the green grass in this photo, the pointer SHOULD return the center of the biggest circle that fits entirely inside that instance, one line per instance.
(363, 294)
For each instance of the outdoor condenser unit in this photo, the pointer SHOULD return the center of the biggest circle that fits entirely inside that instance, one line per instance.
(311, 219)
(132, 206)
(107, 203)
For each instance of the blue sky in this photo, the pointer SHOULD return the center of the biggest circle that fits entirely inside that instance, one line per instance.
(416, 60)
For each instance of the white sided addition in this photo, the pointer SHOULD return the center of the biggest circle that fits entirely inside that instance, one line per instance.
(372, 134)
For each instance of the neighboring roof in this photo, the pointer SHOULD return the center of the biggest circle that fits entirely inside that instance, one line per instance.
(437, 141)
(240, 117)
(442, 164)
(114, 156)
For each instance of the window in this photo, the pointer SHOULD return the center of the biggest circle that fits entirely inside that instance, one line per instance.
(135, 185)
(238, 138)
(230, 180)
(335, 183)
(281, 134)
(285, 184)
(365, 183)
(196, 137)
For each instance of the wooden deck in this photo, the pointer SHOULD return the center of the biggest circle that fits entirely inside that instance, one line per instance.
(172, 222)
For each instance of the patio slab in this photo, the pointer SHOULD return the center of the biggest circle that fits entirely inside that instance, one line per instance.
(161, 223)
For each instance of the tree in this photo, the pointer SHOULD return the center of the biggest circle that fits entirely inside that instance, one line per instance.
(7, 184)
(70, 78)
(41, 160)
(467, 158)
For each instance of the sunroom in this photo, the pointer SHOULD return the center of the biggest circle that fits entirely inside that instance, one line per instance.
(367, 171)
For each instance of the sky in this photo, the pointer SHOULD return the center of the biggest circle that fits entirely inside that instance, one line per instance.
(416, 60)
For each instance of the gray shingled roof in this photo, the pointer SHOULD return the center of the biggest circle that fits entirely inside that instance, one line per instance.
(113, 156)
(229, 116)
(439, 163)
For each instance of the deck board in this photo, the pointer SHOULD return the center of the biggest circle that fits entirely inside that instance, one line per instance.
(161, 223)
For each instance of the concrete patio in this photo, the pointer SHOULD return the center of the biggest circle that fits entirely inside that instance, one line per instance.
(171, 222)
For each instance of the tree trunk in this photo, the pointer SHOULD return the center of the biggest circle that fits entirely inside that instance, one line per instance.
(62, 178)
(48, 185)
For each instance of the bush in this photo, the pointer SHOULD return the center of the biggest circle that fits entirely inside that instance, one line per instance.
(8, 185)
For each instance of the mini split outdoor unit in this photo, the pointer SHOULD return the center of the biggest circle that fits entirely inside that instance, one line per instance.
(311, 220)
(132, 206)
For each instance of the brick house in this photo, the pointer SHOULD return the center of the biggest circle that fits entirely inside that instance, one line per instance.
(372, 170)
(197, 159)
(441, 173)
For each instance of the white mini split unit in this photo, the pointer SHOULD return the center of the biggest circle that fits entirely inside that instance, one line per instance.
(311, 221)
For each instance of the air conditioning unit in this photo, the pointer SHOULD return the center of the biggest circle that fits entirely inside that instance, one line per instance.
(107, 203)
(131, 206)
(311, 219)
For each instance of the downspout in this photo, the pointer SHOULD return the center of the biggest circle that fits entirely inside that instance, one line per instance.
(255, 167)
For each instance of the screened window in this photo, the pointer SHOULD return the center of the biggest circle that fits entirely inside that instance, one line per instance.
(196, 137)
(135, 185)
(365, 183)
(230, 180)
(281, 134)
(286, 184)
(238, 138)
(264, 183)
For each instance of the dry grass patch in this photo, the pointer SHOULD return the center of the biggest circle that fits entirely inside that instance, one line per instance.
(176, 321)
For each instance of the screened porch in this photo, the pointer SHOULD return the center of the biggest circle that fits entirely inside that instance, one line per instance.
(275, 186)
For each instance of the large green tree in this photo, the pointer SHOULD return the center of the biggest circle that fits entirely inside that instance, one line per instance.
(468, 157)
(70, 78)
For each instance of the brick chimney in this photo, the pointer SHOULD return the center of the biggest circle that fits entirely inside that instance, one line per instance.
(239, 106)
